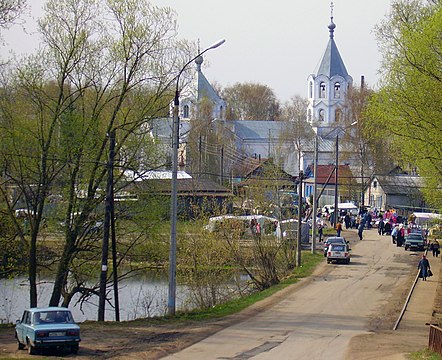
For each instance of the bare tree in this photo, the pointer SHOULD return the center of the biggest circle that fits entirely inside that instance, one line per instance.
(104, 66)
(10, 10)
(251, 101)
(297, 130)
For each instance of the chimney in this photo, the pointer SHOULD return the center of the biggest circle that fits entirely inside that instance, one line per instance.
(362, 82)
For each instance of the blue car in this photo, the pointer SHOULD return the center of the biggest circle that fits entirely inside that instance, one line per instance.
(50, 327)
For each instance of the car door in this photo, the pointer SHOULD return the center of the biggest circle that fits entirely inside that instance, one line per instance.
(23, 327)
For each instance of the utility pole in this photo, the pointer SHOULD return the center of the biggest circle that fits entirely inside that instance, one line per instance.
(315, 195)
(106, 225)
(298, 243)
(336, 212)
(221, 166)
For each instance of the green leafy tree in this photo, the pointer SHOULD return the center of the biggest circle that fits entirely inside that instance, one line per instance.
(406, 109)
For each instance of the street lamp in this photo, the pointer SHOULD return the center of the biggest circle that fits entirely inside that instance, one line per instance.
(173, 205)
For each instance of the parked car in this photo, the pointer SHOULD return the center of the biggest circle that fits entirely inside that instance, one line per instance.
(50, 327)
(334, 240)
(338, 253)
(414, 241)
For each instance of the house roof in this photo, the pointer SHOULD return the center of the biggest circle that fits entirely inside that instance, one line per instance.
(344, 174)
(187, 187)
(400, 184)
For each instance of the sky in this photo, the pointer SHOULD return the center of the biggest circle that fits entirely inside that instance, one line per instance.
(276, 43)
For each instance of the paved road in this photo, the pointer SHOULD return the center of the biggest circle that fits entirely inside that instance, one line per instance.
(318, 320)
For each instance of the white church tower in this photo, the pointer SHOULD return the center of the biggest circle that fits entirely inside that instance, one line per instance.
(328, 88)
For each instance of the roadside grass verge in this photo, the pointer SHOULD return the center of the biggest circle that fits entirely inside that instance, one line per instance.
(425, 354)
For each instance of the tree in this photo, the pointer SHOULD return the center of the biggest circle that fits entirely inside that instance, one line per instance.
(104, 66)
(298, 131)
(406, 109)
(251, 101)
(10, 10)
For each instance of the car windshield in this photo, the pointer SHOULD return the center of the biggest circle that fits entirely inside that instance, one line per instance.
(335, 241)
(414, 237)
(53, 317)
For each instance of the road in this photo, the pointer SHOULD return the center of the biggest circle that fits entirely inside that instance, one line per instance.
(318, 320)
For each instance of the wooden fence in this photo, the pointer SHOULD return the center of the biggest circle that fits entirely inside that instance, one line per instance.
(435, 339)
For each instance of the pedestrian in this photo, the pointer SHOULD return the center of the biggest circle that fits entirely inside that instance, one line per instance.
(360, 229)
(400, 236)
(338, 228)
(347, 221)
(394, 233)
(387, 228)
(424, 268)
(435, 248)
(381, 226)
(320, 230)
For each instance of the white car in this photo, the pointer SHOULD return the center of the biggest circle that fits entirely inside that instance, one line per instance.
(338, 253)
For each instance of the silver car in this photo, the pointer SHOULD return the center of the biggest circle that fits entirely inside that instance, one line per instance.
(338, 253)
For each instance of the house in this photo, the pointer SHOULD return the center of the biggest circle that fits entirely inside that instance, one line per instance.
(326, 184)
(401, 192)
(267, 189)
(194, 194)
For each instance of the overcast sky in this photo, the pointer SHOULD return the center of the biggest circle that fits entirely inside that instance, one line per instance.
(276, 43)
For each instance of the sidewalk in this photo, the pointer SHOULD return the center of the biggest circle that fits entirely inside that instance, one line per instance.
(419, 312)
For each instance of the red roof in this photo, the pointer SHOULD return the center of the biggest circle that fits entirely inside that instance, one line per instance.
(324, 171)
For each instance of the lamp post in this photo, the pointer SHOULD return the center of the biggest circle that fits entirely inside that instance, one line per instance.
(173, 205)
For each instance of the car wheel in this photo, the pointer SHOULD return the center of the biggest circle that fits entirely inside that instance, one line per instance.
(31, 349)
(19, 344)
(406, 248)
(74, 349)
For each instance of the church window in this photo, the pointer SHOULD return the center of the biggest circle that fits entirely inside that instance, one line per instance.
(186, 111)
(310, 90)
(338, 115)
(322, 90)
(337, 90)
(321, 115)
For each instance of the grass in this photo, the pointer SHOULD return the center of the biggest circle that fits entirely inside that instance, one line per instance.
(425, 354)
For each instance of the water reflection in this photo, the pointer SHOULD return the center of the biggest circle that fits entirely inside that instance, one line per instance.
(140, 297)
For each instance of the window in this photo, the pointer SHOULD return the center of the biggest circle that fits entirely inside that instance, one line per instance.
(309, 115)
(321, 115)
(186, 111)
(310, 90)
(338, 115)
(375, 184)
(337, 89)
(322, 90)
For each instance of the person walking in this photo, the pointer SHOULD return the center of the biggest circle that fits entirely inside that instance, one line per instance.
(424, 268)
(381, 226)
(435, 248)
(338, 228)
(394, 233)
(400, 236)
(360, 229)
